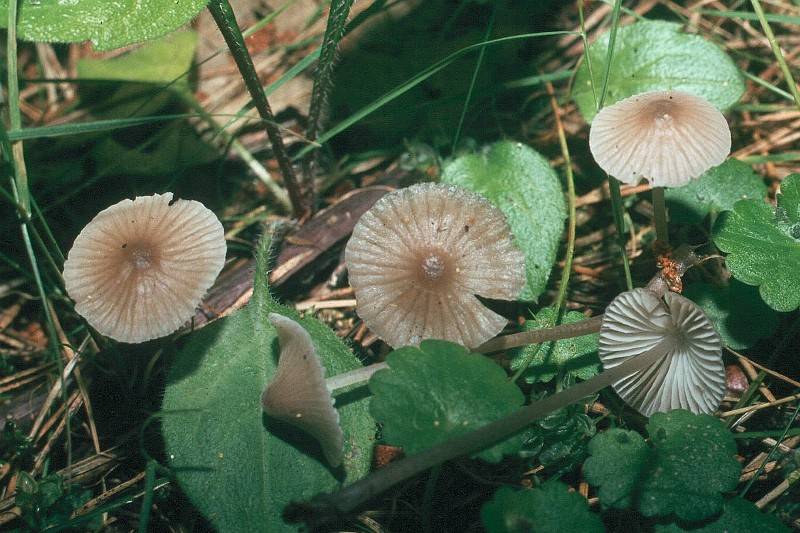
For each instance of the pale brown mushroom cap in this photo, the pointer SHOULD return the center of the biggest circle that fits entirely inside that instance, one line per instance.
(297, 393)
(139, 269)
(666, 137)
(690, 376)
(419, 256)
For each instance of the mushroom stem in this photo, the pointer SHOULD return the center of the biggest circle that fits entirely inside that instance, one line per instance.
(353, 377)
(326, 508)
(660, 214)
(537, 336)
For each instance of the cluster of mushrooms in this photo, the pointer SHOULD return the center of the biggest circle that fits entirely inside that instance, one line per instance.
(418, 260)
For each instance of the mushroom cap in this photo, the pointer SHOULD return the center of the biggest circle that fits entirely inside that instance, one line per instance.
(690, 376)
(139, 269)
(667, 137)
(419, 256)
(297, 393)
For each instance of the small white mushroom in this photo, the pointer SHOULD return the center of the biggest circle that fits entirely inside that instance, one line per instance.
(418, 258)
(666, 137)
(691, 374)
(298, 395)
(139, 269)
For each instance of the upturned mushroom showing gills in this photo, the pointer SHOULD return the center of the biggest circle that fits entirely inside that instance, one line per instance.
(690, 376)
(666, 137)
(298, 394)
(139, 269)
(418, 258)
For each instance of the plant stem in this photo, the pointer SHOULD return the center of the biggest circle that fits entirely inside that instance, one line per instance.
(660, 214)
(776, 50)
(326, 508)
(226, 21)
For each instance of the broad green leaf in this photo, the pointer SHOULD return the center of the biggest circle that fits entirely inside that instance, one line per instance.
(715, 191)
(237, 466)
(763, 245)
(576, 357)
(694, 462)
(520, 182)
(108, 24)
(738, 313)
(550, 508)
(559, 441)
(737, 515)
(617, 458)
(689, 464)
(657, 55)
(160, 62)
(439, 390)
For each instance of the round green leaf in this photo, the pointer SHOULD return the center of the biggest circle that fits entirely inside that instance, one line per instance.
(617, 458)
(550, 508)
(521, 183)
(439, 390)
(737, 515)
(576, 357)
(108, 24)
(656, 55)
(763, 245)
(239, 467)
(715, 191)
(738, 313)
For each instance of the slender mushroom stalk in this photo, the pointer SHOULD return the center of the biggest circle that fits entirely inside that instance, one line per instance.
(418, 258)
(139, 269)
(666, 137)
(677, 324)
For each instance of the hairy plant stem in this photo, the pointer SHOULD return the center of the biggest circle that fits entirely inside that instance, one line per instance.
(329, 508)
(660, 214)
(226, 22)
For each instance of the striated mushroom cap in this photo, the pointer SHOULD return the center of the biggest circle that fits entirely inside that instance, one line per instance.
(666, 137)
(419, 256)
(139, 269)
(691, 376)
(297, 393)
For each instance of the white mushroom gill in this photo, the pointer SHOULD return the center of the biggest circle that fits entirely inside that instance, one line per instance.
(691, 375)
(297, 393)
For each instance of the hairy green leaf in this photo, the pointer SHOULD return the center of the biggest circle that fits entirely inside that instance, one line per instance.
(107, 23)
(575, 357)
(737, 515)
(520, 182)
(738, 313)
(439, 390)
(657, 55)
(715, 191)
(684, 472)
(239, 467)
(617, 459)
(550, 508)
(763, 245)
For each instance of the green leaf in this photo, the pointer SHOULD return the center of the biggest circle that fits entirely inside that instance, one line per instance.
(520, 182)
(737, 515)
(550, 508)
(159, 62)
(689, 464)
(617, 458)
(656, 55)
(738, 313)
(439, 390)
(763, 245)
(576, 357)
(108, 24)
(237, 466)
(715, 191)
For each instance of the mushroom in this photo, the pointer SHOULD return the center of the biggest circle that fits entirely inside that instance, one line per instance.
(666, 137)
(691, 374)
(298, 394)
(139, 269)
(418, 258)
